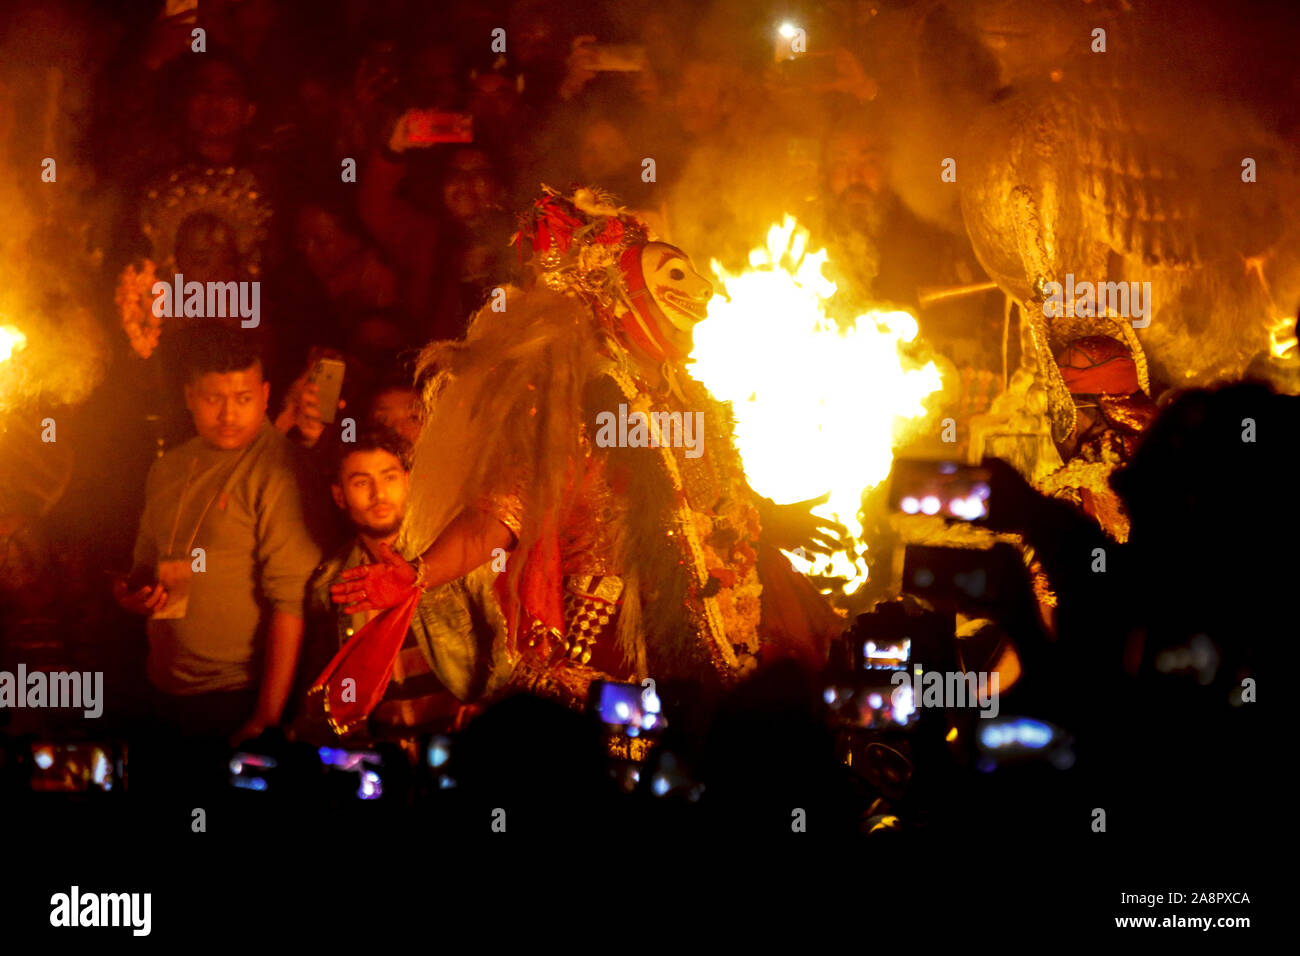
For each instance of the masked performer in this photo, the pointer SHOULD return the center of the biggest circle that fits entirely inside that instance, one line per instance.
(1111, 412)
(565, 431)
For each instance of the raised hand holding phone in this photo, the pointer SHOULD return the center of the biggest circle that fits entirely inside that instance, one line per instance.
(949, 489)
(418, 128)
(319, 398)
(170, 34)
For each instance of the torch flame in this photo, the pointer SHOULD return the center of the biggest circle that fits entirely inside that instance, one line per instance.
(1281, 329)
(818, 406)
(1281, 337)
(11, 341)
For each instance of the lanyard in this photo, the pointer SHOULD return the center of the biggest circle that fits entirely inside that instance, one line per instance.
(194, 464)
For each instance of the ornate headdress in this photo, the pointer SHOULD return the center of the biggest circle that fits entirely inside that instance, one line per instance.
(588, 246)
(231, 194)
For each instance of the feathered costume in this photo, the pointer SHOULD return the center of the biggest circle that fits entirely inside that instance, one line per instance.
(629, 561)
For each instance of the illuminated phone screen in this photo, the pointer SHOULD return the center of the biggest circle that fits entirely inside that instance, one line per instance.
(943, 488)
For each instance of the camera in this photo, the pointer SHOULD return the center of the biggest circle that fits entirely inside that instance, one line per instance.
(893, 638)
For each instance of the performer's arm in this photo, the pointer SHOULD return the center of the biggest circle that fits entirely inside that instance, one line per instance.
(472, 539)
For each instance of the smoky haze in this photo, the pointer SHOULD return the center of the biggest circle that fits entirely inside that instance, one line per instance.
(48, 260)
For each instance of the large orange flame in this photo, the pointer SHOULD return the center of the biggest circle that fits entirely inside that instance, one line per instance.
(11, 340)
(819, 406)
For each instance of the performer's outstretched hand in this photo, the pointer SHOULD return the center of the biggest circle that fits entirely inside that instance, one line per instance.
(374, 587)
(795, 526)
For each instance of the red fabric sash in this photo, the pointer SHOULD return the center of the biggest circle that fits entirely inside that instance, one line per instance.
(367, 658)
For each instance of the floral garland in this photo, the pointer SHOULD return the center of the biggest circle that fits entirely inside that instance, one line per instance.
(134, 300)
(725, 539)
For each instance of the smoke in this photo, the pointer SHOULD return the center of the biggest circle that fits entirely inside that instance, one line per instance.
(48, 271)
(857, 127)
(1200, 89)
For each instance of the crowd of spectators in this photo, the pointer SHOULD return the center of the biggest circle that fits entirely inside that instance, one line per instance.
(370, 239)
(374, 242)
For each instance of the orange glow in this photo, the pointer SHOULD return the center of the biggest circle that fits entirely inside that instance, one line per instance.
(11, 341)
(818, 406)
(1281, 330)
(1008, 668)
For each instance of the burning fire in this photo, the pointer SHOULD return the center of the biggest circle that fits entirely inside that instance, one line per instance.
(11, 341)
(1281, 337)
(818, 406)
(1281, 329)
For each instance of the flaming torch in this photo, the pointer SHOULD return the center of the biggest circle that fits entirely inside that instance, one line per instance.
(29, 481)
(819, 405)
(11, 340)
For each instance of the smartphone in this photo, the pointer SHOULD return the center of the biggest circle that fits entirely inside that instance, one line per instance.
(946, 488)
(669, 776)
(428, 127)
(886, 653)
(894, 636)
(970, 576)
(630, 708)
(438, 751)
(874, 703)
(617, 58)
(366, 765)
(327, 373)
(1009, 740)
(252, 771)
(75, 768)
(437, 755)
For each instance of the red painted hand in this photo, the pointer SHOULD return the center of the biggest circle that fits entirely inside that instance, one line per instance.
(375, 587)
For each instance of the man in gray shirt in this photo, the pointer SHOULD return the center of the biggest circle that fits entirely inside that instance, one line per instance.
(228, 539)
